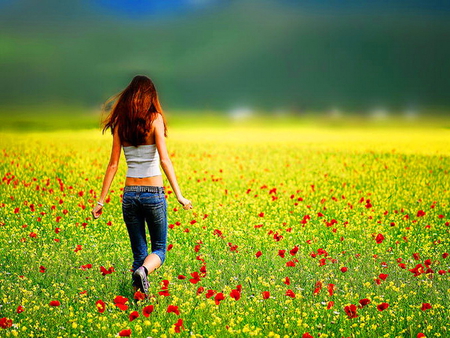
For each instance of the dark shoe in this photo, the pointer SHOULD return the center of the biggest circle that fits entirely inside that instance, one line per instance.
(140, 280)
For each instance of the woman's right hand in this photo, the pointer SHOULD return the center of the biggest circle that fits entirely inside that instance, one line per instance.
(185, 203)
(97, 211)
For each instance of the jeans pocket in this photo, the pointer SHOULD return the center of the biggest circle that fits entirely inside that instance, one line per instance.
(155, 210)
(128, 198)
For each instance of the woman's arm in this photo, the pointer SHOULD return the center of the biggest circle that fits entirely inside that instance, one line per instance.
(166, 163)
(110, 173)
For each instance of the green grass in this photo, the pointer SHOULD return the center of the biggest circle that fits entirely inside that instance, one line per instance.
(372, 180)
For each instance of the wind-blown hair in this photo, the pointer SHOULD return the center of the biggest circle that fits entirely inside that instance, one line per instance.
(133, 111)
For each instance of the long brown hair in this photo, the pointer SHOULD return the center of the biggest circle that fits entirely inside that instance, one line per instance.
(134, 110)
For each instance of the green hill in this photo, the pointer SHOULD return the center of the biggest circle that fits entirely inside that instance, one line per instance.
(260, 55)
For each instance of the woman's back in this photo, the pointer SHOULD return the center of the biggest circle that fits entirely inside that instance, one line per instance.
(149, 138)
(142, 161)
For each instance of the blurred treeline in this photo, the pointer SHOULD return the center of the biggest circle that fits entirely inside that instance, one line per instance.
(270, 56)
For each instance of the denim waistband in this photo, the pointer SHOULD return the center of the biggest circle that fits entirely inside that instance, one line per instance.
(143, 188)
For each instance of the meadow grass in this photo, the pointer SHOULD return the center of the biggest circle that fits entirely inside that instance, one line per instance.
(372, 200)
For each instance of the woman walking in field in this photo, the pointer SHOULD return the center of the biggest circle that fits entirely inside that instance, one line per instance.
(138, 126)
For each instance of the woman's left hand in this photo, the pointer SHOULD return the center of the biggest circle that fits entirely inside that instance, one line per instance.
(97, 211)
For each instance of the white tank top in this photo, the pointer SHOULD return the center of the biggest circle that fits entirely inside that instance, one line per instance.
(142, 161)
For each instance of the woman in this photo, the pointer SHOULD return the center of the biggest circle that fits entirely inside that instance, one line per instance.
(138, 126)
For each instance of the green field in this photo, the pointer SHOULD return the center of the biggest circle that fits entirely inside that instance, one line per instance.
(279, 212)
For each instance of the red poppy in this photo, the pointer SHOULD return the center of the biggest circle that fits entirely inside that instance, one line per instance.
(20, 309)
(417, 270)
(266, 294)
(287, 281)
(344, 269)
(290, 293)
(120, 301)
(379, 239)
(147, 310)
(219, 297)
(134, 315)
(195, 277)
(290, 263)
(258, 254)
(210, 293)
(330, 289)
(420, 335)
(318, 287)
(445, 255)
(138, 295)
(55, 303)
(382, 306)
(101, 306)
(5, 322)
(164, 293)
(351, 311)
(173, 309)
(294, 250)
(383, 276)
(416, 256)
(420, 213)
(218, 233)
(330, 304)
(125, 333)
(179, 325)
(200, 290)
(364, 302)
(105, 271)
(42, 269)
(233, 247)
(426, 306)
(181, 277)
(236, 294)
(307, 335)
(277, 237)
(281, 253)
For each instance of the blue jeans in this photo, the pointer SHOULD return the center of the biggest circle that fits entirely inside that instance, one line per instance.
(140, 206)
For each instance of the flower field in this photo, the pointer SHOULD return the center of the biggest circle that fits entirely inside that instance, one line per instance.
(295, 231)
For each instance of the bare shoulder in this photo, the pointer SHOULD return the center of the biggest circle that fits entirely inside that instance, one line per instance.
(159, 120)
(158, 123)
